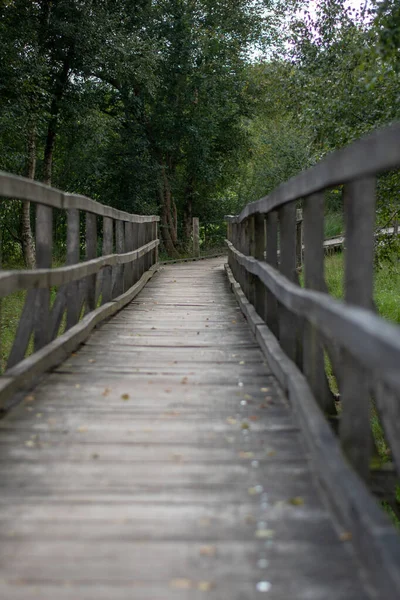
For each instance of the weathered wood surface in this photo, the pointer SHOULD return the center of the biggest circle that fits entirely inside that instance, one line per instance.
(162, 461)
(13, 186)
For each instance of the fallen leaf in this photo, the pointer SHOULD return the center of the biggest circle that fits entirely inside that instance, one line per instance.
(39, 415)
(208, 551)
(77, 385)
(205, 586)
(231, 421)
(233, 321)
(125, 397)
(248, 397)
(265, 389)
(271, 453)
(177, 457)
(265, 533)
(296, 501)
(106, 392)
(91, 360)
(244, 454)
(184, 380)
(242, 362)
(30, 444)
(250, 519)
(181, 584)
(345, 536)
(245, 425)
(29, 398)
(82, 429)
(253, 417)
(29, 408)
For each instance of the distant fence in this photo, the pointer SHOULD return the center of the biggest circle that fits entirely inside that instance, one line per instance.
(87, 292)
(309, 324)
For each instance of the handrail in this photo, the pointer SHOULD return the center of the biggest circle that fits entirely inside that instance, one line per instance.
(21, 188)
(308, 323)
(87, 291)
(371, 155)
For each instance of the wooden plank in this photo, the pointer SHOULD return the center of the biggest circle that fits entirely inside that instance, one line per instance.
(272, 259)
(355, 427)
(258, 252)
(13, 186)
(129, 243)
(108, 244)
(73, 248)
(44, 246)
(120, 248)
(313, 351)
(91, 252)
(12, 281)
(287, 266)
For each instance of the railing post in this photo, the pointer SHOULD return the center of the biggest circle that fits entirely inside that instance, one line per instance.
(313, 352)
(287, 321)
(139, 235)
(107, 249)
(120, 248)
(251, 250)
(91, 252)
(272, 259)
(259, 254)
(128, 267)
(73, 297)
(355, 426)
(44, 246)
(196, 237)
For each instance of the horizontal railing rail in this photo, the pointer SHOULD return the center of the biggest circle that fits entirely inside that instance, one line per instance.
(363, 349)
(53, 322)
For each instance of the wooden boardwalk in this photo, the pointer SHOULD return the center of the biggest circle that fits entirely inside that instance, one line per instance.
(161, 461)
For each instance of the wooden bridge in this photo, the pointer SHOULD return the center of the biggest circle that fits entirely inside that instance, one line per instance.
(178, 440)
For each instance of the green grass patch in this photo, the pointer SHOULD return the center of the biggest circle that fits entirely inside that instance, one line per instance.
(333, 225)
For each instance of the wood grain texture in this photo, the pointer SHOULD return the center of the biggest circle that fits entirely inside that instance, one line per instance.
(12, 281)
(162, 461)
(355, 423)
(13, 186)
(376, 540)
(352, 327)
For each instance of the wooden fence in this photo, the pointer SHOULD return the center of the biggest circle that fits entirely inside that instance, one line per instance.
(364, 349)
(87, 291)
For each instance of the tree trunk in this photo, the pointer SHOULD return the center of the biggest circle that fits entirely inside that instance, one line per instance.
(28, 244)
(169, 226)
(188, 213)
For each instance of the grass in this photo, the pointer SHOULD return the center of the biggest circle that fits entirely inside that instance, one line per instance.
(333, 225)
(386, 285)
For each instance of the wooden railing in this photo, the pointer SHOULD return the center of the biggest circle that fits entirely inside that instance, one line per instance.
(309, 324)
(87, 291)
